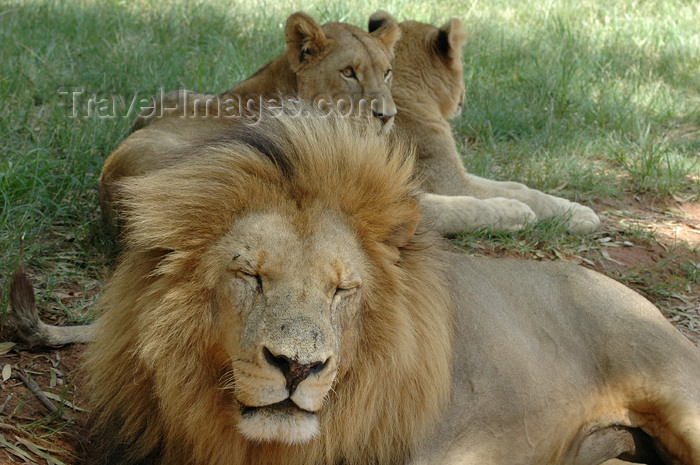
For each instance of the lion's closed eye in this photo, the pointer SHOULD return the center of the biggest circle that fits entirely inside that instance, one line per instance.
(346, 289)
(340, 292)
(246, 271)
(251, 277)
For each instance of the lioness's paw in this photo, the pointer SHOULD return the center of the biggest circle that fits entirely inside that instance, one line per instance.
(501, 214)
(582, 220)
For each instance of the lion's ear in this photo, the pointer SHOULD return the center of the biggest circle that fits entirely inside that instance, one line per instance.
(305, 39)
(384, 27)
(449, 41)
(402, 233)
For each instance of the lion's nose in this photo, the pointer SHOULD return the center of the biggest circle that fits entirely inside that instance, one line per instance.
(293, 371)
(384, 117)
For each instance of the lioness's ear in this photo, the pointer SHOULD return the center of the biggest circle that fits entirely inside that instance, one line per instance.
(449, 41)
(402, 233)
(384, 27)
(304, 38)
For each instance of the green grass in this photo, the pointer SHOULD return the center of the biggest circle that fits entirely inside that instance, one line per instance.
(652, 164)
(590, 99)
(593, 100)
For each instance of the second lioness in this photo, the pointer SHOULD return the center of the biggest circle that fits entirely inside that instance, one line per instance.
(428, 89)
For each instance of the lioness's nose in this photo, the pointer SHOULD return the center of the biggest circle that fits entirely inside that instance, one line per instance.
(384, 117)
(293, 371)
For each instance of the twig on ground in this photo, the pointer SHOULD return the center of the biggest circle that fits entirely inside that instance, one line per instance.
(36, 390)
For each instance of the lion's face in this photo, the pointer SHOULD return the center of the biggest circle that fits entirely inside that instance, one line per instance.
(273, 290)
(290, 297)
(339, 64)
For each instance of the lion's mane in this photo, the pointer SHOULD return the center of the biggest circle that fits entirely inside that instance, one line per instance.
(155, 371)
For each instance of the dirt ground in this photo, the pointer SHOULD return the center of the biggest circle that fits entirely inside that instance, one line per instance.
(30, 433)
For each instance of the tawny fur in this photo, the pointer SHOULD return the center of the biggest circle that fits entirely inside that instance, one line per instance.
(310, 69)
(30, 328)
(441, 358)
(428, 89)
(156, 367)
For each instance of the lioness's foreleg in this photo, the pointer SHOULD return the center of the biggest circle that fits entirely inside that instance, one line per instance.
(455, 214)
(445, 174)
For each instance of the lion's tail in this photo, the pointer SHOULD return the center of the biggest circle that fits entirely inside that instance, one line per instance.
(35, 332)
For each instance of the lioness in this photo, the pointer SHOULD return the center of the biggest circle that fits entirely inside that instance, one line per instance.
(336, 64)
(275, 305)
(428, 89)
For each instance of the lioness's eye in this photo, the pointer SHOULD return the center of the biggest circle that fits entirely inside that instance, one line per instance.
(348, 72)
(387, 75)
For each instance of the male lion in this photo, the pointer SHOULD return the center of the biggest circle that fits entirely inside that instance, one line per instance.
(428, 89)
(274, 304)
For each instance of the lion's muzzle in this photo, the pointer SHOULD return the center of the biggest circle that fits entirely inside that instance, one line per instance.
(293, 419)
(281, 422)
(291, 370)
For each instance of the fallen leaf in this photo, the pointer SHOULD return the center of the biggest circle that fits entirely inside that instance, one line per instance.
(16, 450)
(52, 383)
(6, 372)
(33, 448)
(559, 255)
(586, 261)
(5, 347)
(40, 451)
(606, 255)
(63, 401)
